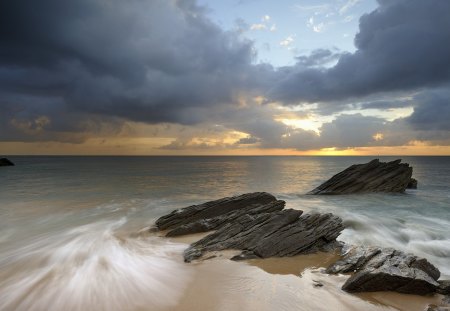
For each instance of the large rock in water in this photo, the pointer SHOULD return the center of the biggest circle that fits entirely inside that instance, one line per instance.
(255, 223)
(213, 223)
(5, 162)
(214, 209)
(374, 176)
(386, 269)
(277, 234)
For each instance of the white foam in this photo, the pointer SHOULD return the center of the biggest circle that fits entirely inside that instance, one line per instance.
(89, 268)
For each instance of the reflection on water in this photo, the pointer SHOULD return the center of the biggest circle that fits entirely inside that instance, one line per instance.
(68, 232)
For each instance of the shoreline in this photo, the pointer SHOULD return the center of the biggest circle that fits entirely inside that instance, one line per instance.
(297, 273)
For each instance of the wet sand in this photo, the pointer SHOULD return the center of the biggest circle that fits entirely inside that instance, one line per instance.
(289, 283)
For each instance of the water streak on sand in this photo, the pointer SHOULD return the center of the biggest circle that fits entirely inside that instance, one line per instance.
(90, 268)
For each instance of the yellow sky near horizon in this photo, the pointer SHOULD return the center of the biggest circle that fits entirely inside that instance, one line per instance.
(149, 146)
(137, 138)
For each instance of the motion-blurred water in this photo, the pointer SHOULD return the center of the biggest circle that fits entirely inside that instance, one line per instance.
(69, 226)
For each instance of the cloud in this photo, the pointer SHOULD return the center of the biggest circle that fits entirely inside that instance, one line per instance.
(403, 45)
(432, 112)
(387, 104)
(287, 42)
(248, 141)
(315, 26)
(264, 25)
(70, 71)
(347, 6)
(258, 27)
(317, 8)
(150, 61)
(318, 58)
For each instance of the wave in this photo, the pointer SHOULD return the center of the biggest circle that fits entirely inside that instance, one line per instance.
(421, 239)
(91, 267)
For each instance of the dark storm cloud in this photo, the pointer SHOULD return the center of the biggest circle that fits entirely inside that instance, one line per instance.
(402, 45)
(432, 112)
(73, 69)
(152, 61)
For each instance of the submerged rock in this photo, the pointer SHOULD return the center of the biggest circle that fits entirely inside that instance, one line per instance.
(386, 269)
(374, 176)
(5, 162)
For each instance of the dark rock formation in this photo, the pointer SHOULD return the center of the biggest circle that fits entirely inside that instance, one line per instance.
(276, 234)
(436, 308)
(374, 176)
(213, 209)
(386, 269)
(412, 184)
(5, 162)
(258, 225)
(213, 223)
(444, 287)
(255, 223)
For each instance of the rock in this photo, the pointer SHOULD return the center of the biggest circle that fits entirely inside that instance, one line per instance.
(317, 283)
(432, 307)
(412, 184)
(255, 223)
(208, 224)
(276, 234)
(386, 269)
(444, 287)
(213, 209)
(245, 255)
(5, 162)
(374, 176)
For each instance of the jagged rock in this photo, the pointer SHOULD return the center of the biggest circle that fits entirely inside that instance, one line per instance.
(5, 162)
(204, 225)
(412, 184)
(374, 176)
(386, 269)
(436, 308)
(255, 223)
(276, 234)
(213, 209)
(444, 287)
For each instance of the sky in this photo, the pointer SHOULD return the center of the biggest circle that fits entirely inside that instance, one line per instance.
(236, 77)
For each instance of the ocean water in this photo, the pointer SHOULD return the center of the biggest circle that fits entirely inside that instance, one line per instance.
(72, 229)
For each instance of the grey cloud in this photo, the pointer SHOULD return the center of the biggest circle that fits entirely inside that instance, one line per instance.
(387, 104)
(73, 69)
(319, 57)
(402, 45)
(248, 140)
(432, 112)
(151, 61)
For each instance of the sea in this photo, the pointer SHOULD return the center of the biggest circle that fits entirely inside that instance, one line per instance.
(74, 230)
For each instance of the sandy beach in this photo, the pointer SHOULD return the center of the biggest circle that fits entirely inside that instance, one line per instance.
(288, 283)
